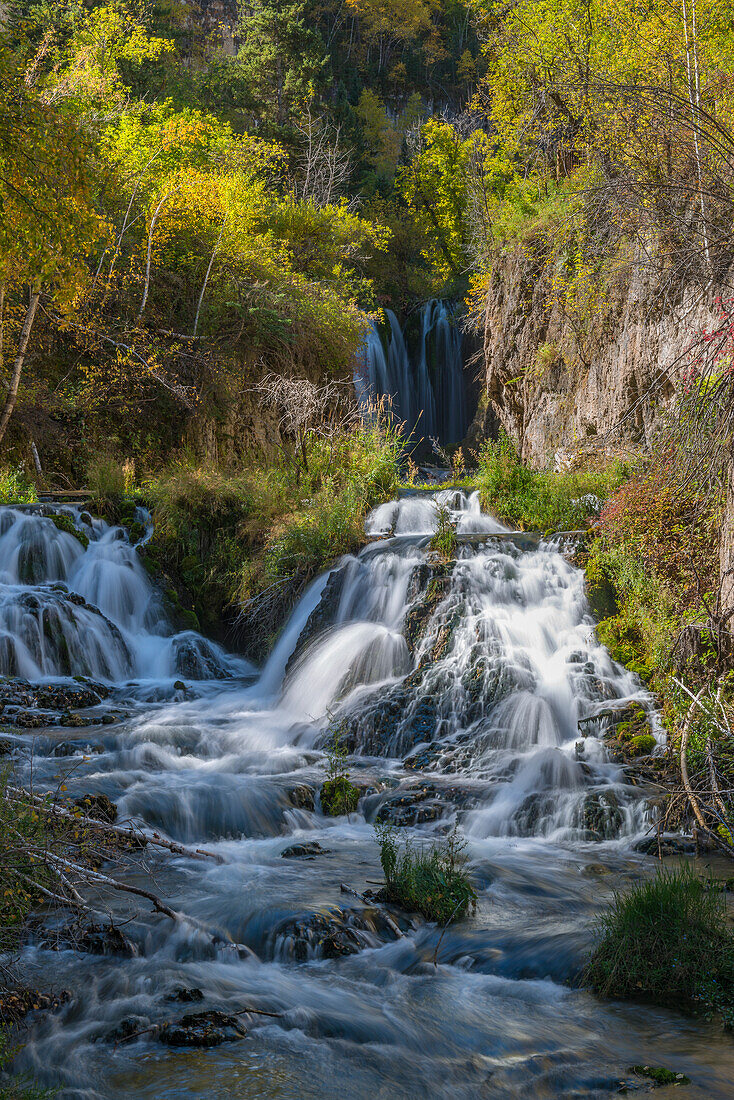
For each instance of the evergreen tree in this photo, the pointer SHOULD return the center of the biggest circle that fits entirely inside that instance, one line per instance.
(281, 56)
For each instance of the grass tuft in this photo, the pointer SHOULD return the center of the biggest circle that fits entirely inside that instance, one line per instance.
(667, 940)
(432, 881)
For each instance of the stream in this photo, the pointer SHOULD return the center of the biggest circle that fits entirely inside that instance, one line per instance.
(457, 692)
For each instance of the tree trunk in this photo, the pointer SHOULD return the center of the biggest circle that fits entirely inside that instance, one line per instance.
(19, 360)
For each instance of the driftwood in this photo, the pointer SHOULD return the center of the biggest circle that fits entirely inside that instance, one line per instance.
(130, 832)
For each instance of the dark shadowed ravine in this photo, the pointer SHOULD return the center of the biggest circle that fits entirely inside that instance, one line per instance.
(457, 690)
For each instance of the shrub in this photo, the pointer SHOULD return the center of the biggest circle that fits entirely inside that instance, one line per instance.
(444, 540)
(543, 500)
(432, 881)
(15, 487)
(669, 526)
(667, 940)
(338, 794)
(109, 478)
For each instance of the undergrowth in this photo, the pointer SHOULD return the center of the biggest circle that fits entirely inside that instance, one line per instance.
(668, 941)
(540, 500)
(228, 537)
(429, 880)
(15, 487)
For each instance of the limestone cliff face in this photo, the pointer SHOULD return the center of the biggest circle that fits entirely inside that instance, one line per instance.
(558, 382)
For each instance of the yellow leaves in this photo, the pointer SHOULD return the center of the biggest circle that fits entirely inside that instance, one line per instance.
(104, 37)
(403, 20)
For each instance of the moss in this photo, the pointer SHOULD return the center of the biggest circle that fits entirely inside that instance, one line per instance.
(642, 745)
(339, 796)
(136, 531)
(65, 523)
(660, 1075)
(189, 620)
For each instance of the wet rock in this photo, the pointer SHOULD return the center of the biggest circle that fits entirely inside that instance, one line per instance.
(196, 659)
(417, 804)
(337, 932)
(602, 815)
(128, 1028)
(202, 1029)
(433, 582)
(304, 851)
(92, 938)
(184, 994)
(98, 806)
(302, 797)
(98, 939)
(6, 746)
(75, 748)
(75, 721)
(27, 720)
(320, 618)
(666, 846)
(15, 1004)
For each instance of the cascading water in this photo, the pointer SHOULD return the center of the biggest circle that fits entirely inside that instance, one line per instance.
(84, 606)
(457, 689)
(427, 386)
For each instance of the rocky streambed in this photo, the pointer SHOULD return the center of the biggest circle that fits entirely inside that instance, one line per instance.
(469, 694)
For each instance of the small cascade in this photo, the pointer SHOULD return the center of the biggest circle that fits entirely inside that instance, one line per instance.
(82, 605)
(427, 383)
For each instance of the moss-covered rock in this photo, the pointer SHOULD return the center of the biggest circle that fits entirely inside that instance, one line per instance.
(642, 745)
(66, 523)
(339, 796)
(660, 1075)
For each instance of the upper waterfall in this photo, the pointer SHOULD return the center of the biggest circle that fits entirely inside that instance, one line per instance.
(425, 378)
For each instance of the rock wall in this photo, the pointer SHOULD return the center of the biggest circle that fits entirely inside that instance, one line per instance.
(556, 383)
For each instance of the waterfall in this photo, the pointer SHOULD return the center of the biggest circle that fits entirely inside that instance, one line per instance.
(426, 383)
(84, 606)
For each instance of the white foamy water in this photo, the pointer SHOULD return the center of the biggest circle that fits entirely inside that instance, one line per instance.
(67, 610)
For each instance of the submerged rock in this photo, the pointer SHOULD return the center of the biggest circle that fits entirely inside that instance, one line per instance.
(337, 932)
(304, 851)
(184, 994)
(202, 1029)
(660, 1075)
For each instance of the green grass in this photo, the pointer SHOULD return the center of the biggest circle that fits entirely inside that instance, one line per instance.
(539, 500)
(16, 1088)
(109, 478)
(668, 941)
(430, 880)
(225, 536)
